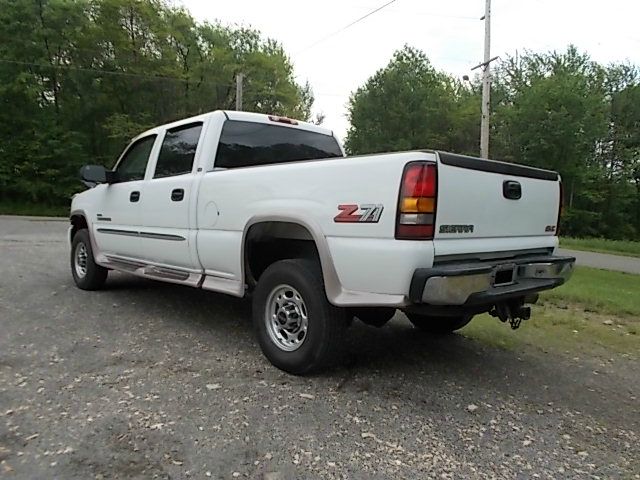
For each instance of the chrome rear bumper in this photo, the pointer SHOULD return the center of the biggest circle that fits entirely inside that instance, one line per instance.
(486, 283)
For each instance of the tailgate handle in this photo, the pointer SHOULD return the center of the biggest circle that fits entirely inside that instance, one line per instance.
(511, 189)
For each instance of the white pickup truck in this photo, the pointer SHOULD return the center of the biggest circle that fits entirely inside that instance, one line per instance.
(240, 203)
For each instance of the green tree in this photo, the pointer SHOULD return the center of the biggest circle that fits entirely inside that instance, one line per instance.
(553, 113)
(409, 105)
(620, 155)
(78, 78)
(565, 112)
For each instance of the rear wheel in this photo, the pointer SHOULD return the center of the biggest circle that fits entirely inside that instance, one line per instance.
(87, 274)
(299, 331)
(438, 325)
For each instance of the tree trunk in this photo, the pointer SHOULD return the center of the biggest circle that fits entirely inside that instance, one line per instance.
(573, 183)
(50, 60)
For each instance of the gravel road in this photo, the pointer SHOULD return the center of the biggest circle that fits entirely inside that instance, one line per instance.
(149, 380)
(604, 261)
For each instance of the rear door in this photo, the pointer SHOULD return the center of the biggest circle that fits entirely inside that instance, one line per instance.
(484, 205)
(169, 198)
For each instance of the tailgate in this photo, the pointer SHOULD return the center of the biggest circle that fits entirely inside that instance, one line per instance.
(485, 199)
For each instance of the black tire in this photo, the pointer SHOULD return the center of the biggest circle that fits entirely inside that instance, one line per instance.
(321, 344)
(438, 325)
(94, 275)
(374, 316)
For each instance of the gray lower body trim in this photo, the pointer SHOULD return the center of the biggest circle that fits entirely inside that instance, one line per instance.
(155, 272)
(150, 270)
(223, 285)
(174, 275)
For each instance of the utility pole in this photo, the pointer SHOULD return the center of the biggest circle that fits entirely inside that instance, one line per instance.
(486, 82)
(239, 79)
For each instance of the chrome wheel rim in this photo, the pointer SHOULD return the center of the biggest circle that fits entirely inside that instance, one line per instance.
(80, 260)
(286, 318)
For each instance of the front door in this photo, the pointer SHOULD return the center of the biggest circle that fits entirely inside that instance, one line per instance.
(118, 213)
(167, 231)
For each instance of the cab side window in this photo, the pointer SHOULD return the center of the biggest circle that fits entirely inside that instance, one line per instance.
(134, 162)
(178, 150)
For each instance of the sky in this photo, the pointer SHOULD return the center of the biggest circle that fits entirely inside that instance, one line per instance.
(450, 33)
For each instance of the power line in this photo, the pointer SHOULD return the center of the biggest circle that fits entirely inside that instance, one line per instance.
(346, 26)
(433, 14)
(250, 91)
(96, 70)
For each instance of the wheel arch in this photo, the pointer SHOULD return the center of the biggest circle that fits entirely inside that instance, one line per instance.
(292, 228)
(78, 220)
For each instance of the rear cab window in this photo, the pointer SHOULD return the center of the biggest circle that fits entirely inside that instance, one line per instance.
(178, 150)
(247, 144)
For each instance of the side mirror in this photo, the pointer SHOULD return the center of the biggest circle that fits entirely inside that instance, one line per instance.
(92, 175)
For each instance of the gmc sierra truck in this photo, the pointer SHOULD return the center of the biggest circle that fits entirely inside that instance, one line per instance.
(244, 203)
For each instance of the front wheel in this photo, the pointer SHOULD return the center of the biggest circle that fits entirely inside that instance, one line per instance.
(299, 331)
(438, 325)
(87, 274)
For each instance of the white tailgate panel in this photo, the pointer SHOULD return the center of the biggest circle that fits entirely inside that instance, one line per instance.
(473, 197)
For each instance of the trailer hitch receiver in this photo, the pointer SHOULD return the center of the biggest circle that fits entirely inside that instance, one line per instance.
(512, 311)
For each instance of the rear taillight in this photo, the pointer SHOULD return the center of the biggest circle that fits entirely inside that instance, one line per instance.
(560, 205)
(417, 203)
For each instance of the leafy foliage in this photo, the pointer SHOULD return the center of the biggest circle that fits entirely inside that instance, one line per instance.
(79, 78)
(560, 111)
(409, 105)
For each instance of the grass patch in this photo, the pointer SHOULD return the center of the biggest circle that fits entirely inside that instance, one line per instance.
(600, 291)
(595, 310)
(33, 210)
(552, 328)
(601, 245)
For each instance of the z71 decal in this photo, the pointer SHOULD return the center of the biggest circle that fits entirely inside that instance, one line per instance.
(352, 213)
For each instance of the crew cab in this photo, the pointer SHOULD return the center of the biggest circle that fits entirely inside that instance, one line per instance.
(243, 203)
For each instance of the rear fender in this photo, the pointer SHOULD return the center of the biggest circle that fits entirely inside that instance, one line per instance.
(336, 293)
